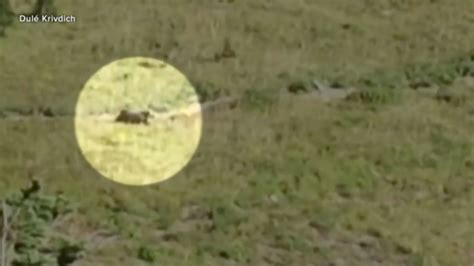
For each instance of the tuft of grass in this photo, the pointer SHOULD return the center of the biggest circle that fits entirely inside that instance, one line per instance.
(146, 254)
(206, 92)
(375, 96)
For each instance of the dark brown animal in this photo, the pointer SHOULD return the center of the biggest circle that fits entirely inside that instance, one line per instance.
(130, 117)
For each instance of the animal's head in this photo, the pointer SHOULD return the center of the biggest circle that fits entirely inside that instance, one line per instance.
(146, 114)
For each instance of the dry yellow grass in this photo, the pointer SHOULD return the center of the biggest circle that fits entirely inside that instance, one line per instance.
(138, 154)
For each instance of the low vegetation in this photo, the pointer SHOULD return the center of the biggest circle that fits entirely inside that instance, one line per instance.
(383, 176)
(31, 230)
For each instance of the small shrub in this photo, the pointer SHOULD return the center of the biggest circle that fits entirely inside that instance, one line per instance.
(30, 217)
(374, 96)
(206, 92)
(383, 79)
(444, 74)
(146, 254)
(465, 67)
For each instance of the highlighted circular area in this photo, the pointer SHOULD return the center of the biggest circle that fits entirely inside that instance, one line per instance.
(138, 121)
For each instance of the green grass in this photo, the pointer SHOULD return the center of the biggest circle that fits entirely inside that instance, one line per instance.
(274, 41)
(383, 177)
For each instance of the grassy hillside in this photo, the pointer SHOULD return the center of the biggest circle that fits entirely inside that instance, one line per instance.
(274, 42)
(384, 177)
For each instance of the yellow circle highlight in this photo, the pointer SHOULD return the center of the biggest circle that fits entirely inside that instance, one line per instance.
(130, 150)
